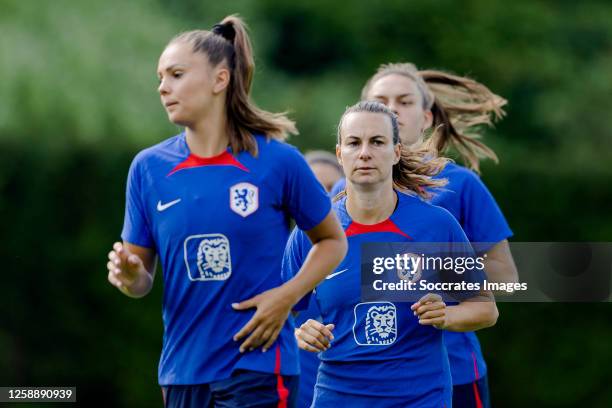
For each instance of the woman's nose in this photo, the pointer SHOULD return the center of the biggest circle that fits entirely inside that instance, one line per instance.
(163, 87)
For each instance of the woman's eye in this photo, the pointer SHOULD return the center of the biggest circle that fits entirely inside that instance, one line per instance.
(177, 74)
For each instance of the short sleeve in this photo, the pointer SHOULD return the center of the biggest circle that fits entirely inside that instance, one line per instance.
(136, 229)
(296, 250)
(465, 263)
(482, 219)
(304, 197)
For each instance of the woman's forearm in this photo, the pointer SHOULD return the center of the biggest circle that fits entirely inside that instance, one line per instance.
(324, 257)
(474, 314)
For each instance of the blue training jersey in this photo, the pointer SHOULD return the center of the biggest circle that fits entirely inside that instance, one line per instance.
(219, 226)
(401, 358)
(468, 199)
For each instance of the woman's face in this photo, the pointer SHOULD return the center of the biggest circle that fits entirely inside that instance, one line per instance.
(403, 97)
(187, 83)
(366, 149)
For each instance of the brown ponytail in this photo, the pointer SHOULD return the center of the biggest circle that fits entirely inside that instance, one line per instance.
(461, 108)
(229, 42)
(415, 168)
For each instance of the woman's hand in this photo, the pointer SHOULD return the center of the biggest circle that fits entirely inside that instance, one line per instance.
(314, 336)
(273, 307)
(127, 272)
(431, 311)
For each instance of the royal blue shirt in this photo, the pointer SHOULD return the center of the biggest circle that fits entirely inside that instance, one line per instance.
(396, 356)
(219, 226)
(471, 203)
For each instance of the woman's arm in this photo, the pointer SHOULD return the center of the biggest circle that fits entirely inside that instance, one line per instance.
(329, 247)
(273, 306)
(499, 264)
(473, 314)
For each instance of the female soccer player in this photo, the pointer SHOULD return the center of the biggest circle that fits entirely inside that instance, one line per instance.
(457, 108)
(382, 354)
(213, 204)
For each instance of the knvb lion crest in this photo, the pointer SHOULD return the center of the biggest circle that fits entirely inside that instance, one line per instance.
(207, 257)
(244, 199)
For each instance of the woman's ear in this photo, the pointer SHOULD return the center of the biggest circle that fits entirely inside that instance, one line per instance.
(221, 80)
(338, 154)
(398, 153)
(428, 120)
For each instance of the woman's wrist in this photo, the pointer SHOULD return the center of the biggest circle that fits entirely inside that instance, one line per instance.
(140, 286)
(292, 292)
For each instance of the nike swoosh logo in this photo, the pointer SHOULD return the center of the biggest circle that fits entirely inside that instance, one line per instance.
(162, 207)
(331, 275)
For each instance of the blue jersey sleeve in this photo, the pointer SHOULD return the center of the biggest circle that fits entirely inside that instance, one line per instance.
(482, 218)
(456, 235)
(304, 197)
(465, 269)
(136, 228)
(296, 251)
